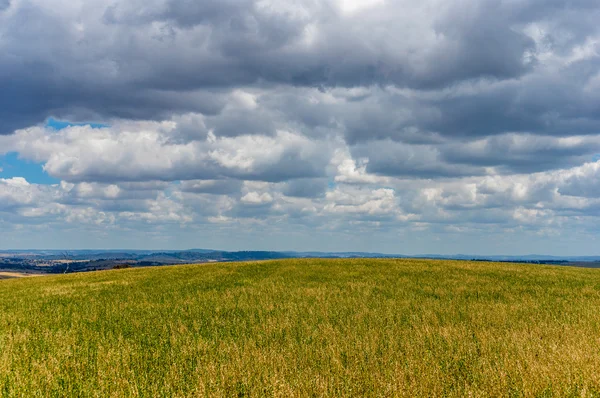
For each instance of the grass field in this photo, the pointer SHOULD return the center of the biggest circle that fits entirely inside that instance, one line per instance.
(304, 328)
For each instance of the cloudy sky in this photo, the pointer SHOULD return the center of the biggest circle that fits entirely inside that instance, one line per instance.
(402, 126)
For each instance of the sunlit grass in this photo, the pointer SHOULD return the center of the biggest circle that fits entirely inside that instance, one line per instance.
(304, 328)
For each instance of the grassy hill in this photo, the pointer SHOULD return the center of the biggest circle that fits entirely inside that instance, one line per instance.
(304, 328)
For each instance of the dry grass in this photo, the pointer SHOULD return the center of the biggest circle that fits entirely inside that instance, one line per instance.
(304, 328)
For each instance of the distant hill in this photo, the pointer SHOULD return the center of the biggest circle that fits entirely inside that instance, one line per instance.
(68, 261)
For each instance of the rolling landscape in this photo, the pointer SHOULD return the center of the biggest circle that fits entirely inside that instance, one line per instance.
(304, 327)
(15, 263)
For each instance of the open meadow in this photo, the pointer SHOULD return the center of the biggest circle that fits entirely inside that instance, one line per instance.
(299, 327)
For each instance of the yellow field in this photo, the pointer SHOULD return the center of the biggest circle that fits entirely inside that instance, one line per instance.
(304, 328)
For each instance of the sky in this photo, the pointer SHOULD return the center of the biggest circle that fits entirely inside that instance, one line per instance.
(413, 127)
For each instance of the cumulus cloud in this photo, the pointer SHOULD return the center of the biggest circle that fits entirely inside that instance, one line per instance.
(348, 117)
(144, 152)
(552, 202)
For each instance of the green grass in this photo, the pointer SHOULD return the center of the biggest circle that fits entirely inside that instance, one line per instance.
(304, 328)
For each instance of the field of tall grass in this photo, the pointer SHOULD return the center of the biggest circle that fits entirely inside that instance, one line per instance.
(304, 328)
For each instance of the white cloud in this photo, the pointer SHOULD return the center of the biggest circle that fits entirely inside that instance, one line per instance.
(254, 198)
(144, 152)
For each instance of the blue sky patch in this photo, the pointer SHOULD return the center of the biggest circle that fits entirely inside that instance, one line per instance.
(63, 124)
(13, 166)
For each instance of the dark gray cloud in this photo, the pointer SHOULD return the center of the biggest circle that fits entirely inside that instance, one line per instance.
(523, 154)
(545, 104)
(306, 188)
(243, 121)
(183, 12)
(390, 158)
(214, 187)
(149, 60)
